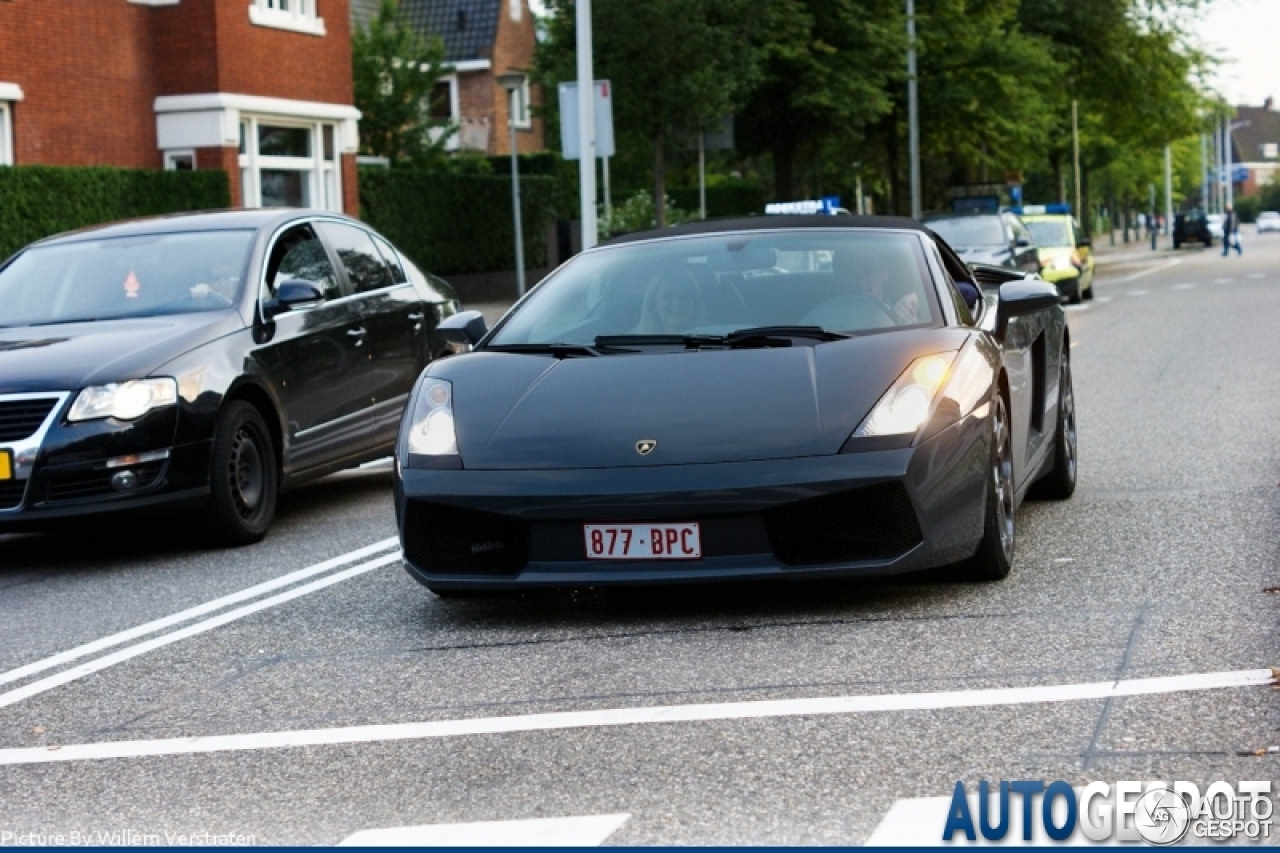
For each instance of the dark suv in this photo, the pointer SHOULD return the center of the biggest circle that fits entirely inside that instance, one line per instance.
(1191, 226)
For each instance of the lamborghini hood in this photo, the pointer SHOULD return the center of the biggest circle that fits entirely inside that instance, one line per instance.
(519, 411)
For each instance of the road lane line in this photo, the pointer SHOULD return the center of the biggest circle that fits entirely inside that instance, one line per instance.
(77, 672)
(1103, 298)
(1223, 280)
(1184, 286)
(1257, 275)
(560, 720)
(192, 612)
(1137, 275)
(583, 831)
(1138, 292)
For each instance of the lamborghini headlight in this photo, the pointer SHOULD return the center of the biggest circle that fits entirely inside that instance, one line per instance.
(431, 430)
(125, 401)
(905, 406)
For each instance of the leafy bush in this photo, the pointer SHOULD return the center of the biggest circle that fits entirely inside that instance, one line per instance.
(729, 199)
(37, 201)
(638, 213)
(455, 223)
(1248, 207)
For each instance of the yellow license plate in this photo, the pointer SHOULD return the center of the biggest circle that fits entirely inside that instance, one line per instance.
(6, 465)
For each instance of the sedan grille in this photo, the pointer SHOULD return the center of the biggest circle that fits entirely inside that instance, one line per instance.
(11, 493)
(20, 419)
(449, 540)
(871, 523)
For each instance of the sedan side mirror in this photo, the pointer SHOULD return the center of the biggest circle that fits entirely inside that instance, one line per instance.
(462, 331)
(1084, 243)
(292, 294)
(1022, 297)
(1021, 243)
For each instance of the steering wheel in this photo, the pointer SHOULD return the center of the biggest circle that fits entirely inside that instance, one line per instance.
(850, 312)
(206, 292)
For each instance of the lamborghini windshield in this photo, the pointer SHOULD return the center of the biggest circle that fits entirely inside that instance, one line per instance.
(841, 281)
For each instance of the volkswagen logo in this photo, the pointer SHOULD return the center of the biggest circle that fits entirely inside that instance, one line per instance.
(645, 446)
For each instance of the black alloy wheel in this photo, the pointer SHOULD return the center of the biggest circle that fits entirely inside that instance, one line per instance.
(244, 478)
(994, 558)
(1060, 483)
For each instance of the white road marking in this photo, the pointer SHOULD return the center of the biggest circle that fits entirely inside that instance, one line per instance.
(1137, 275)
(920, 821)
(584, 831)
(1257, 275)
(1138, 292)
(1223, 280)
(192, 612)
(1077, 308)
(1103, 298)
(561, 720)
(77, 672)
(1184, 286)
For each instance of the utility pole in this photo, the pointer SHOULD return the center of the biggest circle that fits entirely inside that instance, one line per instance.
(913, 109)
(1168, 189)
(1204, 174)
(586, 127)
(1075, 154)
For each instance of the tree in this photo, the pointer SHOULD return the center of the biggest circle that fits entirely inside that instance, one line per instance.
(396, 72)
(674, 64)
(827, 67)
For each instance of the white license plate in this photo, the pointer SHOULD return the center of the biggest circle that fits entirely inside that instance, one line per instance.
(643, 541)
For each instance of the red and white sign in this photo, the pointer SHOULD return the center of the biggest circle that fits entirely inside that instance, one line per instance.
(643, 541)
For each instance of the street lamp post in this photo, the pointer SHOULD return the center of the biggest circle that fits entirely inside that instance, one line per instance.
(913, 110)
(513, 81)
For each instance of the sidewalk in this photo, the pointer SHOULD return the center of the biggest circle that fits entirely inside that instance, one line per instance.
(1134, 251)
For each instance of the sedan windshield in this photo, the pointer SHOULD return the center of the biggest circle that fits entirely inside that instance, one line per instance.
(793, 284)
(1052, 233)
(964, 232)
(115, 278)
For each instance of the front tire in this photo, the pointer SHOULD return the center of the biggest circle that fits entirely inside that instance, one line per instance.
(994, 558)
(1074, 298)
(243, 479)
(1060, 483)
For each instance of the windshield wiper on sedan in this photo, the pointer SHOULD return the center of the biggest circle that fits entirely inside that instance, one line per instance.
(812, 332)
(750, 338)
(559, 350)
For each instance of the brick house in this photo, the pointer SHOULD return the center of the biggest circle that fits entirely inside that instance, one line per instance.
(482, 39)
(1257, 146)
(260, 88)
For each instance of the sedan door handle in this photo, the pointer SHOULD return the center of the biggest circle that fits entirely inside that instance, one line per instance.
(358, 335)
(416, 318)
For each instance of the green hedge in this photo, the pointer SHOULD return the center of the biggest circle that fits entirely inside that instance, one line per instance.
(36, 201)
(723, 200)
(456, 224)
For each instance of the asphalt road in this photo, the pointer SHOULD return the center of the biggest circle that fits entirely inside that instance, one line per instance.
(1159, 566)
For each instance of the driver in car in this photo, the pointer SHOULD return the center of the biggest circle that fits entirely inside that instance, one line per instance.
(220, 284)
(671, 305)
(873, 278)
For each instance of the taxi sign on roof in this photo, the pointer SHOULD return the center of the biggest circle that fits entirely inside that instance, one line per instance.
(1035, 209)
(827, 205)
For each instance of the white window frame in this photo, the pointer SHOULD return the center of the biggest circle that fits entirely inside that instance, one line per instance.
(323, 177)
(171, 158)
(455, 109)
(10, 93)
(523, 117)
(1270, 150)
(298, 16)
(6, 134)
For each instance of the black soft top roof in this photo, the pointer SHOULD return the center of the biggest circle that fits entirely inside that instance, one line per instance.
(769, 223)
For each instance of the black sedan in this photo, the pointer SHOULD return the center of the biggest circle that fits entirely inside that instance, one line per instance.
(794, 397)
(997, 239)
(204, 361)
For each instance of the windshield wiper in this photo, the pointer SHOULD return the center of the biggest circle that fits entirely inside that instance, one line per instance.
(816, 333)
(559, 350)
(757, 336)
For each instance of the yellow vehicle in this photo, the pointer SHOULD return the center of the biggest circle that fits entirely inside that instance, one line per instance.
(1065, 256)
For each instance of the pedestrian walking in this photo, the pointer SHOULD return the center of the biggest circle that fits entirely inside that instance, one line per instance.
(1231, 232)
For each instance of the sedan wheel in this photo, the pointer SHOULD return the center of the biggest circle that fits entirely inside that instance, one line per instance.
(243, 476)
(999, 529)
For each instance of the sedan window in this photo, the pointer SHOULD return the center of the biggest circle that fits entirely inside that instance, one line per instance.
(300, 256)
(841, 281)
(359, 256)
(964, 232)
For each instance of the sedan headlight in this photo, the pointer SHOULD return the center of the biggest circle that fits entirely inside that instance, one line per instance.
(124, 401)
(431, 431)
